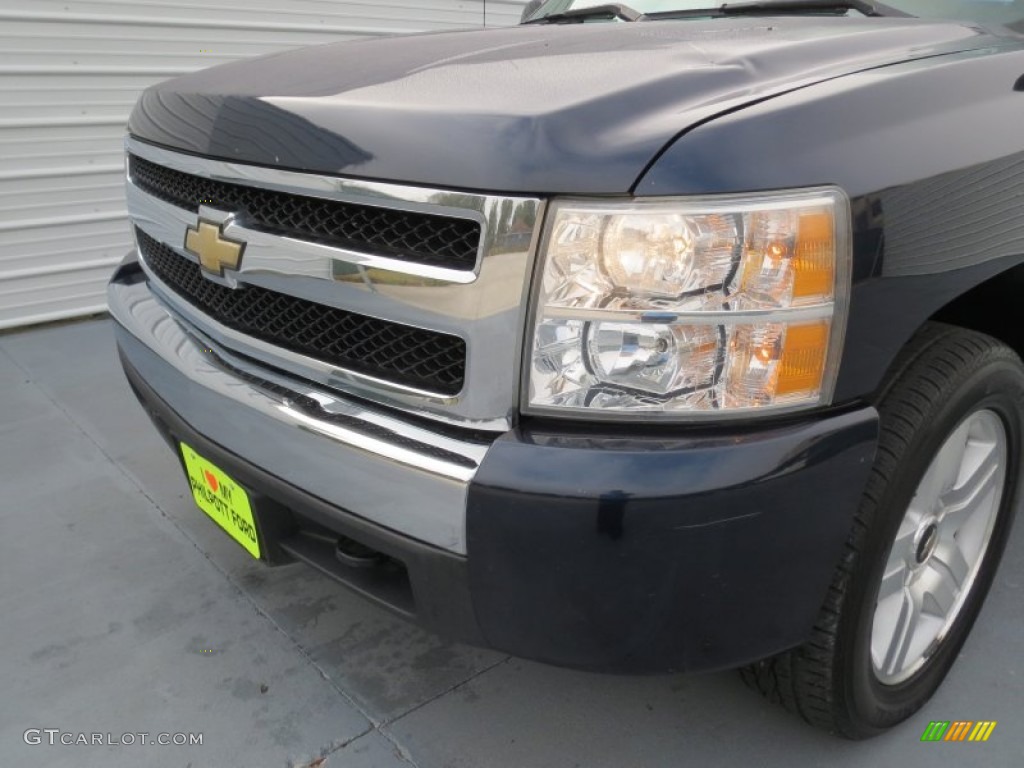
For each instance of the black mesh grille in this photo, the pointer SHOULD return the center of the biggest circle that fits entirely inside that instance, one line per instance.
(440, 241)
(386, 350)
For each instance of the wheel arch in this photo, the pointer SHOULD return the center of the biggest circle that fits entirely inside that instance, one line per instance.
(994, 307)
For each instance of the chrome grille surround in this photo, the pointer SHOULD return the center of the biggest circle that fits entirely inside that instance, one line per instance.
(484, 306)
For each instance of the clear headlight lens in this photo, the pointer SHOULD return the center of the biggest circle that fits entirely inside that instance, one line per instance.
(695, 308)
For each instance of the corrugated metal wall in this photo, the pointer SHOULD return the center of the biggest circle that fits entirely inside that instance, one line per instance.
(70, 71)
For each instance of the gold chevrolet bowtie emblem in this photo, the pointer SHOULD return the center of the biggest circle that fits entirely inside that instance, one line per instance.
(216, 253)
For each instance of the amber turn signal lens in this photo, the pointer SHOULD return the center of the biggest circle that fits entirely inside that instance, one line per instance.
(814, 258)
(802, 363)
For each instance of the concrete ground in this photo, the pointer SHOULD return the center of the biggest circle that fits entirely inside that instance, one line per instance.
(124, 610)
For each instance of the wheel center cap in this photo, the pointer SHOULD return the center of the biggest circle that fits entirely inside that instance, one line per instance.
(926, 542)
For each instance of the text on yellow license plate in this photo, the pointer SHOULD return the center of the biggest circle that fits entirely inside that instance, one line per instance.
(222, 499)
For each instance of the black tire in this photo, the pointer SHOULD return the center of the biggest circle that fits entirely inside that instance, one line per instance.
(944, 375)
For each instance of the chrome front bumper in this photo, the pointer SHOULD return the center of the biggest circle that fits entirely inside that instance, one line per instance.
(364, 460)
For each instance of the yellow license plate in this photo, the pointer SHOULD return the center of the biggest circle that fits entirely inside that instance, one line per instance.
(222, 499)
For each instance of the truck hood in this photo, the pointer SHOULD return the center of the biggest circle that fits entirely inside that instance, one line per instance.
(574, 109)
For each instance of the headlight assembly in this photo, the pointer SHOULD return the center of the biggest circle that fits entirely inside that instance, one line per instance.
(690, 308)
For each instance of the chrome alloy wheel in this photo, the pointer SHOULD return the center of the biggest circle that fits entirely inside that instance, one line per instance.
(939, 547)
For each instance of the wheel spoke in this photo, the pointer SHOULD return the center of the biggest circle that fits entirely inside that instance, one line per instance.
(960, 502)
(938, 591)
(893, 581)
(948, 461)
(903, 548)
(903, 634)
(926, 497)
(902, 553)
(949, 557)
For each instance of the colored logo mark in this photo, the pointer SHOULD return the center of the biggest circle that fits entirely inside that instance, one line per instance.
(959, 730)
(211, 480)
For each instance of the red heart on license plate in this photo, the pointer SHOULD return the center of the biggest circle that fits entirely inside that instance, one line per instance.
(211, 480)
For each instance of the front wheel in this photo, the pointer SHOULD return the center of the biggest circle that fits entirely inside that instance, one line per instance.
(925, 543)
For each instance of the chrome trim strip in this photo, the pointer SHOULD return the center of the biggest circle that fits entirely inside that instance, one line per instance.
(485, 307)
(694, 317)
(263, 251)
(369, 464)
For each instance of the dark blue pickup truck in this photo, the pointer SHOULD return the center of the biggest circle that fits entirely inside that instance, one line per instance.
(660, 337)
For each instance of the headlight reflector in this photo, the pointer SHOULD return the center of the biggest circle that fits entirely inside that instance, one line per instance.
(690, 308)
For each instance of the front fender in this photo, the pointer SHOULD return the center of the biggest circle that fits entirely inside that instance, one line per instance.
(931, 154)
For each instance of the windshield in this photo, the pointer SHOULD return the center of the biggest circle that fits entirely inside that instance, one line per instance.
(1004, 12)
